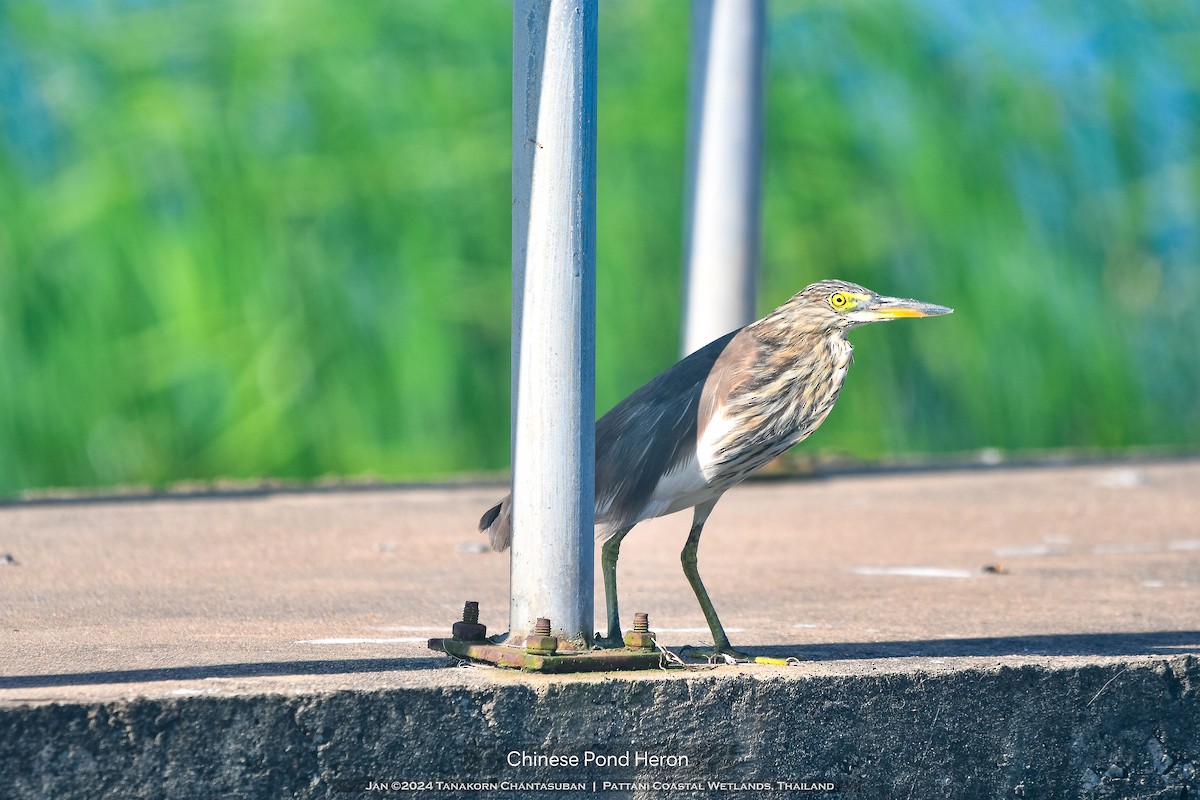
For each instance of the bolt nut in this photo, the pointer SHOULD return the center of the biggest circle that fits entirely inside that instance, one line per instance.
(540, 642)
(639, 640)
(641, 637)
(469, 629)
(539, 645)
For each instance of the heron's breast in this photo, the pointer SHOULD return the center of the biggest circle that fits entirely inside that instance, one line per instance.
(772, 414)
(678, 489)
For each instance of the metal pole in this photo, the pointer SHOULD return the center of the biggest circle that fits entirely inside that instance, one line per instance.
(725, 124)
(554, 316)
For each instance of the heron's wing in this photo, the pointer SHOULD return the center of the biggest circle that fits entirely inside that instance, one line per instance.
(652, 434)
(738, 364)
(497, 521)
(647, 436)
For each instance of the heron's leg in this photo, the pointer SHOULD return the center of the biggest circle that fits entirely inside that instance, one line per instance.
(721, 644)
(609, 554)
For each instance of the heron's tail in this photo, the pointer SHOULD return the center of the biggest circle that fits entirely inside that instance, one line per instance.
(497, 521)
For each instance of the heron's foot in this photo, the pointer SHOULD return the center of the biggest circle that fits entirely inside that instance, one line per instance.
(614, 641)
(716, 655)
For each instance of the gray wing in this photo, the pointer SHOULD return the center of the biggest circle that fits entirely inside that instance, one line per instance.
(651, 433)
(497, 521)
(646, 435)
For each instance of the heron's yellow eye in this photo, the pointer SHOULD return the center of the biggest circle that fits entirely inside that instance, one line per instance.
(839, 300)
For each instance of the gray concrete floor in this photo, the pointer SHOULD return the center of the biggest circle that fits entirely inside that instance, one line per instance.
(298, 592)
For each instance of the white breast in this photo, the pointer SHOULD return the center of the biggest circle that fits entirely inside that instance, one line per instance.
(679, 489)
(715, 434)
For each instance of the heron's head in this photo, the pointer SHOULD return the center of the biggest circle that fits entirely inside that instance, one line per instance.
(840, 305)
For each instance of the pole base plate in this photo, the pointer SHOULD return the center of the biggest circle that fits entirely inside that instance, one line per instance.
(505, 657)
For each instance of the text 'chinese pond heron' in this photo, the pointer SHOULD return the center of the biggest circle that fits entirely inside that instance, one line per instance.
(715, 417)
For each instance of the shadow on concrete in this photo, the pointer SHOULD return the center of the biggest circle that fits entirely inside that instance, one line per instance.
(1161, 643)
(1156, 643)
(345, 666)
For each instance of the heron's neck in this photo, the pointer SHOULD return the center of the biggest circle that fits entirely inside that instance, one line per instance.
(788, 326)
(793, 388)
(802, 375)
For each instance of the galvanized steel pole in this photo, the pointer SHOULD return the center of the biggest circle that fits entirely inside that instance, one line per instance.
(554, 317)
(725, 125)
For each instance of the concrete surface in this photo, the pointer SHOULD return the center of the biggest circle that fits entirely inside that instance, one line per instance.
(273, 646)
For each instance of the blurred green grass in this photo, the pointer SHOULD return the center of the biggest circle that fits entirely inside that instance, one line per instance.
(272, 238)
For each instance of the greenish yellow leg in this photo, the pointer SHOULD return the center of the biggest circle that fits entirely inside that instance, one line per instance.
(721, 644)
(609, 554)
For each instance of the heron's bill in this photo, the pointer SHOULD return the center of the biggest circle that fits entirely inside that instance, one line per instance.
(897, 308)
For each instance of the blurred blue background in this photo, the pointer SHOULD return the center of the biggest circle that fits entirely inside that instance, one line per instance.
(272, 238)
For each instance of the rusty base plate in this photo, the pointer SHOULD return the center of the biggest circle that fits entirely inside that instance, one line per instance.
(500, 655)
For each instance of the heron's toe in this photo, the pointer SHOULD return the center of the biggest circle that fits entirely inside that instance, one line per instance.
(610, 642)
(729, 653)
(716, 655)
